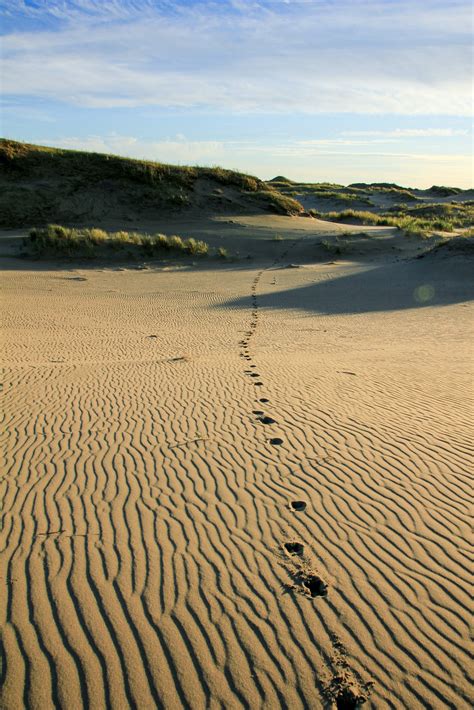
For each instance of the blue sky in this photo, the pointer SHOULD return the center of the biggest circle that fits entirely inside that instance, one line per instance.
(339, 90)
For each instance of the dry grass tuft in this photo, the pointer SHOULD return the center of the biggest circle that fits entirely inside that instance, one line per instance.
(56, 240)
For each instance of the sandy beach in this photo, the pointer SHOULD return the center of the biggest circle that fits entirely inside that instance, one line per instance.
(173, 429)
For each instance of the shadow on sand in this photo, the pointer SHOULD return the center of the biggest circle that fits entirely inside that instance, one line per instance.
(387, 287)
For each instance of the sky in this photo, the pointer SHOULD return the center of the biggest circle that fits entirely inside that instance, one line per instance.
(316, 90)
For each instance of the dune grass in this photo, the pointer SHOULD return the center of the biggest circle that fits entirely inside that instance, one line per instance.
(24, 158)
(57, 240)
(415, 221)
(444, 190)
(41, 185)
(343, 197)
(277, 202)
(339, 193)
(387, 189)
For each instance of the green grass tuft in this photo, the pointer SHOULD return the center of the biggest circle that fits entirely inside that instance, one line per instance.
(419, 221)
(56, 240)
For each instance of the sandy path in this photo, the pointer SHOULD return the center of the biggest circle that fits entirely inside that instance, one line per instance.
(145, 507)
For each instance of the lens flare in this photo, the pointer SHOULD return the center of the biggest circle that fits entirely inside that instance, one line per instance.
(424, 293)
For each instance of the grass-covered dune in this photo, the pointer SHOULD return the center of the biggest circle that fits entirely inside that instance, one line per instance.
(58, 241)
(421, 220)
(378, 197)
(39, 185)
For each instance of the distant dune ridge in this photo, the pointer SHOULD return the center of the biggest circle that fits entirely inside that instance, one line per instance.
(235, 478)
(40, 185)
(377, 198)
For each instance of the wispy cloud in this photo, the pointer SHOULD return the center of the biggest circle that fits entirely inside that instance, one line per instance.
(173, 150)
(179, 149)
(402, 133)
(292, 158)
(365, 56)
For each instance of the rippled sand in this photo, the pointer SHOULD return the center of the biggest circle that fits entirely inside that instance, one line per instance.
(147, 500)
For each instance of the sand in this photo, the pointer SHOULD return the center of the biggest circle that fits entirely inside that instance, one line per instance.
(146, 509)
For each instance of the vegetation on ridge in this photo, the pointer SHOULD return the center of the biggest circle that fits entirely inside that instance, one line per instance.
(56, 240)
(40, 185)
(417, 221)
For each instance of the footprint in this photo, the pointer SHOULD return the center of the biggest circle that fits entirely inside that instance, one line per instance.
(297, 505)
(258, 384)
(263, 399)
(346, 690)
(350, 698)
(276, 441)
(294, 548)
(314, 586)
(267, 420)
(254, 374)
(257, 411)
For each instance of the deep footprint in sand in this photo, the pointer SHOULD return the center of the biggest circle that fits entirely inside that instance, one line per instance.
(294, 548)
(350, 698)
(276, 441)
(297, 505)
(314, 586)
(267, 420)
(257, 411)
(263, 400)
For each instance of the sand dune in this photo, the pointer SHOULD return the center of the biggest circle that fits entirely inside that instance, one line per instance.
(170, 431)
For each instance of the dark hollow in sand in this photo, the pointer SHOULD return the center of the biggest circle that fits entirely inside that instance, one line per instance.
(315, 586)
(349, 699)
(276, 441)
(297, 505)
(294, 548)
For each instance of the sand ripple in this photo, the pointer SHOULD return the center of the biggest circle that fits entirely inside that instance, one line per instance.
(145, 507)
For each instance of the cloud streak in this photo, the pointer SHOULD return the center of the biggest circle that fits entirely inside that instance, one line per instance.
(181, 150)
(402, 133)
(307, 57)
